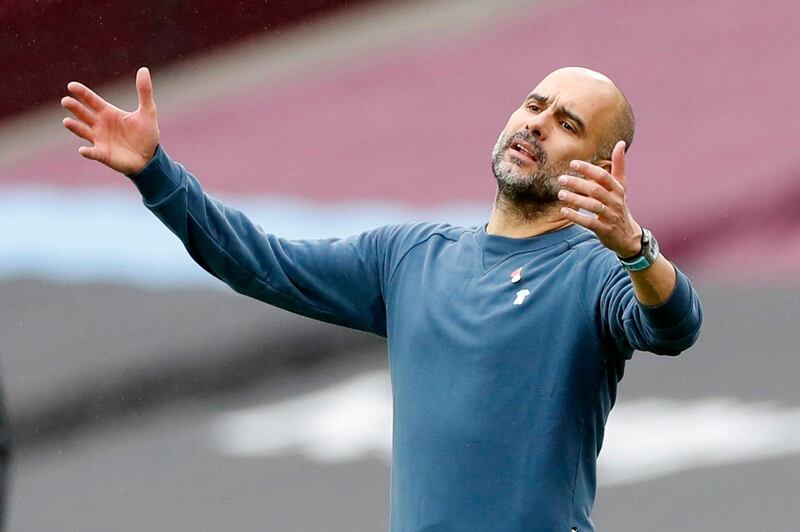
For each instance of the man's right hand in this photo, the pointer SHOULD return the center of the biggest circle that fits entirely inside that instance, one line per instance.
(121, 140)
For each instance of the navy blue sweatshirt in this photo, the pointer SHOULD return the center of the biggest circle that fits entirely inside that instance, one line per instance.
(504, 353)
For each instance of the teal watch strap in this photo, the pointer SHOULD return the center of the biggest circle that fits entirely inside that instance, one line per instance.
(636, 265)
(646, 257)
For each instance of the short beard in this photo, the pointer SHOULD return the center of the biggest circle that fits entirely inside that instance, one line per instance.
(525, 195)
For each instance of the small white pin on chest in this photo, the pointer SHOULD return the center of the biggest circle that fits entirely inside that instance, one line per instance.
(521, 295)
(516, 277)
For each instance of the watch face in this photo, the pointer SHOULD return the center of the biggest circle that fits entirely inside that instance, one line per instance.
(646, 257)
(649, 246)
(654, 249)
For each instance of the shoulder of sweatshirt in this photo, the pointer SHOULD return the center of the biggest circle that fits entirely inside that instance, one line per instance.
(401, 238)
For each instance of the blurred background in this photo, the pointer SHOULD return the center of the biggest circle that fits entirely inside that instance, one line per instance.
(144, 395)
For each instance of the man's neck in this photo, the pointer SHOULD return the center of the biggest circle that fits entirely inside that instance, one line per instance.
(513, 221)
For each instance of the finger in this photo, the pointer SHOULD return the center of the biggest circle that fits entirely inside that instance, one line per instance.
(618, 162)
(87, 96)
(576, 201)
(90, 152)
(597, 174)
(587, 188)
(144, 88)
(82, 112)
(79, 128)
(589, 222)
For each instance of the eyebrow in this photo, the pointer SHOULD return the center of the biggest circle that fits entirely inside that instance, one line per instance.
(560, 110)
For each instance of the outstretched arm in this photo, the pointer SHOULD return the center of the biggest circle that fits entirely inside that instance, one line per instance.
(123, 141)
(334, 280)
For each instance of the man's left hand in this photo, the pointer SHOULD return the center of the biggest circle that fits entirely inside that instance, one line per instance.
(603, 194)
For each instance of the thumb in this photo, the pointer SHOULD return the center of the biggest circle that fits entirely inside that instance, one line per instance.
(618, 162)
(90, 152)
(144, 88)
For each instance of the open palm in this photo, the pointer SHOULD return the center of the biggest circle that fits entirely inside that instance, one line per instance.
(121, 140)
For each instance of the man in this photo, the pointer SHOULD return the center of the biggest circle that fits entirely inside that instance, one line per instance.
(506, 342)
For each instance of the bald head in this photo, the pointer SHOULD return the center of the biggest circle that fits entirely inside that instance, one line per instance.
(612, 107)
(572, 114)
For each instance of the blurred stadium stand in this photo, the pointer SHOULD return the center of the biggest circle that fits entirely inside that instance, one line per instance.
(120, 357)
(47, 43)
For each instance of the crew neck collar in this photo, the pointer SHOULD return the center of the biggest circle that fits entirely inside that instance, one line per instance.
(503, 245)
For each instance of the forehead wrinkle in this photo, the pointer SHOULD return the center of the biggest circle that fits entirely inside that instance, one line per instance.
(561, 109)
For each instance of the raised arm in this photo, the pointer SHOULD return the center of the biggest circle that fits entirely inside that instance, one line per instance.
(604, 193)
(662, 312)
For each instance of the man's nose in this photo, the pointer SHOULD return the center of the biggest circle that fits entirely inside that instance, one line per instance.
(538, 125)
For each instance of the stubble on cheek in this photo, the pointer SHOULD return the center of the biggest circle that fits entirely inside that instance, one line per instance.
(521, 184)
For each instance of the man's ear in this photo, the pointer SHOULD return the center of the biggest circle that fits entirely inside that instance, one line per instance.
(605, 164)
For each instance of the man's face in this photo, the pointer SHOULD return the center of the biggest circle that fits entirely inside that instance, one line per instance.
(562, 119)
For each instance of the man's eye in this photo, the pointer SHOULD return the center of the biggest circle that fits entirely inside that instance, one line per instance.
(533, 107)
(568, 126)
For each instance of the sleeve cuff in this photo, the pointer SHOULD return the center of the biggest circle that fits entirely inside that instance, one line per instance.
(675, 309)
(159, 178)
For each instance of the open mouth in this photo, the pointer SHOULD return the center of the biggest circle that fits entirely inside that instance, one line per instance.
(526, 150)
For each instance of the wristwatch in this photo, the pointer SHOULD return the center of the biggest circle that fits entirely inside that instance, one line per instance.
(646, 256)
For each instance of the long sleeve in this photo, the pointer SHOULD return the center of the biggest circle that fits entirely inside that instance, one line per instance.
(666, 329)
(340, 281)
